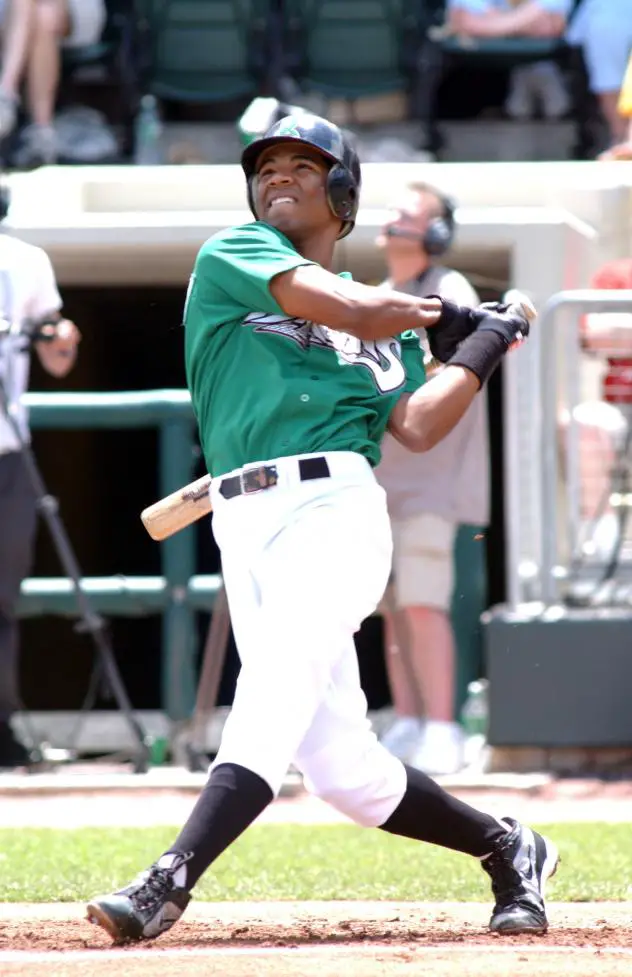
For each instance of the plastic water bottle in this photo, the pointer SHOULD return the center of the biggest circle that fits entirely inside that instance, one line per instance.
(148, 141)
(474, 719)
(475, 709)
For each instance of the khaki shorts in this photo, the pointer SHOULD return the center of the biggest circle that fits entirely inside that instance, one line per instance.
(423, 561)
(87, 20)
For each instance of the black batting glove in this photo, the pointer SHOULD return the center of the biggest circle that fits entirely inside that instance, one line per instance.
(457, 322)
(499, 328)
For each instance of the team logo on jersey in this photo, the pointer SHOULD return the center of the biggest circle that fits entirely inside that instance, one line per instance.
(381, 357)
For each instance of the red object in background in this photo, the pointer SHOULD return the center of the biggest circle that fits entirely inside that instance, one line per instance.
(617, 383)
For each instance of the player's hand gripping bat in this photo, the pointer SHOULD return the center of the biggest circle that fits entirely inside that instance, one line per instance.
(188, 504)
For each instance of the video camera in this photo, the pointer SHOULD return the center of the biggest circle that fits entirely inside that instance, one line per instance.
(29, 330)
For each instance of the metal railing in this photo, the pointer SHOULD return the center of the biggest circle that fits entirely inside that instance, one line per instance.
(559, 361)
(178, 592)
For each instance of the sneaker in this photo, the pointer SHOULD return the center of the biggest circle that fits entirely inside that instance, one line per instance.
(547, 81)
(147, 907)
(440, 751)
(519, 868)
(38, 146)
(520, 102)
(403, 736)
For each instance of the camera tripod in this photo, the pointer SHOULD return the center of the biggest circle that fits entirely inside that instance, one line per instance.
(105, 674)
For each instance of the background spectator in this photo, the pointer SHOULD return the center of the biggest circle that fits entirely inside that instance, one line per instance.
(603, 29)
(538, 83)
(27, 290)
(623, 150)
(33, 32)
(604, 424)
(429, 496)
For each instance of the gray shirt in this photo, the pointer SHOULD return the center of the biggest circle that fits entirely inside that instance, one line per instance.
(452, 479)
(28, 289)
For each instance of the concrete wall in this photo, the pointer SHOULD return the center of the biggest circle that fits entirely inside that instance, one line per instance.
(130, 225)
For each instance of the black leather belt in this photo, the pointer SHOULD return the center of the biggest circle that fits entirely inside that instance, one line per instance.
(252, 480)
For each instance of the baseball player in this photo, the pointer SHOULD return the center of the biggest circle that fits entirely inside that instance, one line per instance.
(291, 413)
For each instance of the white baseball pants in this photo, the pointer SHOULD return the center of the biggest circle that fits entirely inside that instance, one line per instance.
(304, 563)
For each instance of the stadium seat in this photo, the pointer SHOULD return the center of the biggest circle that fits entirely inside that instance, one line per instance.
(347, 48)
(115, 54)
(440, 54)
(205, 52)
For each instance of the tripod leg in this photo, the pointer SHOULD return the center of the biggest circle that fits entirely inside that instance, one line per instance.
(91, 622)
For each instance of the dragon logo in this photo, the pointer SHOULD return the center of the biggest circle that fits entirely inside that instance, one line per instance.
(381, 357)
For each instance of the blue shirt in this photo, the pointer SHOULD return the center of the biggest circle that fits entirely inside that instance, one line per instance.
(562, 7)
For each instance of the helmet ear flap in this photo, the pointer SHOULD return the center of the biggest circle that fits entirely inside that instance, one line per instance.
(342, 192)
(252, 193)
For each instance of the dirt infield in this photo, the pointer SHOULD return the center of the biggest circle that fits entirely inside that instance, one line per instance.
(321, 940)
(317, 939)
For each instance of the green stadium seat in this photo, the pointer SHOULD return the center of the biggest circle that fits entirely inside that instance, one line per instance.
(115, 53)
(347, 48)
(439, 55)
(205, 52)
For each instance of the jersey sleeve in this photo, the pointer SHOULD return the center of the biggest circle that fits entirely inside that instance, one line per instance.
(412, 358)
(242, 261)
(45, 295)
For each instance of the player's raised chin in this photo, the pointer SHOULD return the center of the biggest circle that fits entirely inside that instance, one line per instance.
(290, 191)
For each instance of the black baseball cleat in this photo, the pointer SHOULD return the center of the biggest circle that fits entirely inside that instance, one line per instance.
(147, 907)
(519, 867)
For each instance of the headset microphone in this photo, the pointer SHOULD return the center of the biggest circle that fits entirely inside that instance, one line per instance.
(402, 232)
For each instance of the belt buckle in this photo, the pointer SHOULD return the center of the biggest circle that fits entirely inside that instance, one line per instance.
(258, 479)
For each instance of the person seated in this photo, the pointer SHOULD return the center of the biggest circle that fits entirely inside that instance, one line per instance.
(623, 150)
(538, 82)
(33, 33)
(603, 30)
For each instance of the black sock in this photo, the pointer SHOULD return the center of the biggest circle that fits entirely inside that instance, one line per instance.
(229, 802)
(426, 812)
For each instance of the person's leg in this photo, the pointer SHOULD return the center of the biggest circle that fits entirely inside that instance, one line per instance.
(17, 27)
(424, 577)
(343, 764)
(300, 578)
(18, 521)
(51, 24)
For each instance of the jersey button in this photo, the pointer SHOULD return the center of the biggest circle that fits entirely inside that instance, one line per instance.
(304, 398)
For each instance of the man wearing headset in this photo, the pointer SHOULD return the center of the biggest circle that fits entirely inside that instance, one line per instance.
(430, 496)
(28, 291)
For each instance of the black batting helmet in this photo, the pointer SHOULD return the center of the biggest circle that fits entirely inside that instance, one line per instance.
(343, 180)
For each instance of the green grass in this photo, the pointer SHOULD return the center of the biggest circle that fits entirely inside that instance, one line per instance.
(293, 862)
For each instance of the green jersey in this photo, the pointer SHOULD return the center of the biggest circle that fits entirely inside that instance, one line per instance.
(265, 385)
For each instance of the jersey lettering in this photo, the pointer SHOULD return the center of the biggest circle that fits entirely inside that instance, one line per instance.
(381, 357)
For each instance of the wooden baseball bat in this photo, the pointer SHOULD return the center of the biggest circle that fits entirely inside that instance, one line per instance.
(190, 503)
(180, 509)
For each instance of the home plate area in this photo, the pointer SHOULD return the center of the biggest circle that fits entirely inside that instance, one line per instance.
(321, 940)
